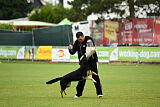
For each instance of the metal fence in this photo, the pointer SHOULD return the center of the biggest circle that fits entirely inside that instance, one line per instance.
(50, 36)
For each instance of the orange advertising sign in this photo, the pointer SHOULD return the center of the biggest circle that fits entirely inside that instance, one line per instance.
(44, 52)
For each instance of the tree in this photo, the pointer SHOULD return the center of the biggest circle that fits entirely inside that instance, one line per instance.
(121, 8)
(6, 26)
(49, 13)
(54, 14)
(11, 9)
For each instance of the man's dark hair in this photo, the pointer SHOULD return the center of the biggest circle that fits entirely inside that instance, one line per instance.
(78, 34)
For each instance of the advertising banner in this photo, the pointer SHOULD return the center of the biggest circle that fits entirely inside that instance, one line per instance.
(74, 58)
(139, 54)
(149, 54)
(60, 54)
(128, 54)
(111, 32)
(157, 32)
(12, 52)
(103, 54)
(82, 26)
(38, 52)
(106, 54)
(111, 29)
(143, 31)
(31, 52)
(97, 32)
(44, 52)
(139, 31)
(127, 32)
(113, 54)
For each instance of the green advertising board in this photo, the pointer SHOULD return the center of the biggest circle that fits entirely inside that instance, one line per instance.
(149, 54)
(103, 54)
(11, 52)
(139, 53)
(128, 54)
(74, 58)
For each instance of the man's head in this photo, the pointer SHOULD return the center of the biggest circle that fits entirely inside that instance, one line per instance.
(80, 37)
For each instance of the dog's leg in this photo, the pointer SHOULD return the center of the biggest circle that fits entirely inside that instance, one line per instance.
(90, 78)
(61, 93)
(65, 92)
(91, 72)
(93, 80)
(94, 73)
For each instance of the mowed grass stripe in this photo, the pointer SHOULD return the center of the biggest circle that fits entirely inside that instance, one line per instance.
(124, 85)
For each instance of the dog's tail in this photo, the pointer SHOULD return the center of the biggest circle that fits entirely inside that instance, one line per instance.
(54, 80)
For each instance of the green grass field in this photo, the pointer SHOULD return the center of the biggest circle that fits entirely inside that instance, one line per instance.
(22, 84)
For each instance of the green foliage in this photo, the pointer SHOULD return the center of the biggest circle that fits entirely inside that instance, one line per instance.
(122, 8)
(54, 14)
(28, 28)
(6, 26)
(49, 13)
(76, 16)
(11, 9)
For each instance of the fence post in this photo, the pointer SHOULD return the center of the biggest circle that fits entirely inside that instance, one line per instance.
(33, 44)
(153, 29)
(138, 60)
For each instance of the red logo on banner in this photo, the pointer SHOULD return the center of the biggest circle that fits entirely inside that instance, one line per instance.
(60, 53)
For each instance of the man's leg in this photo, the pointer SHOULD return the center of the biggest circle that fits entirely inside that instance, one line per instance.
(80, 88)
(98, 86)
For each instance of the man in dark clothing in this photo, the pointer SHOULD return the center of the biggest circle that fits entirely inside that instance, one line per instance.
(82, 46)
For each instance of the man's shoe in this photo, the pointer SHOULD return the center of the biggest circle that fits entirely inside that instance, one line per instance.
(100, 96)
(76, 96)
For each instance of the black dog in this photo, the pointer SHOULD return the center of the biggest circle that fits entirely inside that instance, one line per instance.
(77, 75)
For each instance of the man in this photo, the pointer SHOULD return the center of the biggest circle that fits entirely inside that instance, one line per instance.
(81, 45)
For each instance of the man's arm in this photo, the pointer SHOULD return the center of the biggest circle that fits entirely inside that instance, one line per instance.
(72, 49)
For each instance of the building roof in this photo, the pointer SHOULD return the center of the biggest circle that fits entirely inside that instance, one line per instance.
(26, 23)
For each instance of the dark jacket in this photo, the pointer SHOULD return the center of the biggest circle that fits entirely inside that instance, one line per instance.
(81, 49)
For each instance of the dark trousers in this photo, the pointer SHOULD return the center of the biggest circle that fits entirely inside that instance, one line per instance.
(81, 84)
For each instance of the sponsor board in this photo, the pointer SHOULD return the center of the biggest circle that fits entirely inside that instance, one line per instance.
(105, 54)
(139, 54)
(128, 54)
(38, 52)
(12, 52)
(139, 31)
(157, 31)
(44, 52)
(74, 58)
(31, 52)
(60, 54)
(102, 53)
